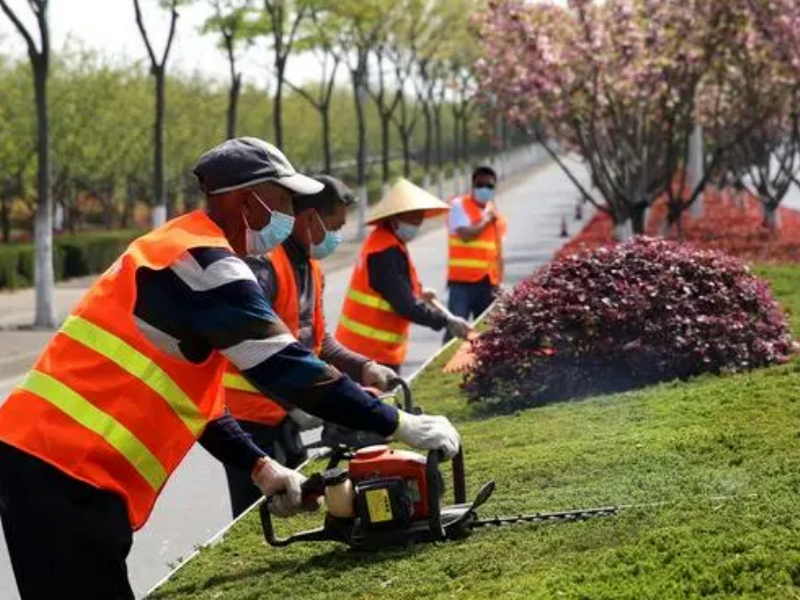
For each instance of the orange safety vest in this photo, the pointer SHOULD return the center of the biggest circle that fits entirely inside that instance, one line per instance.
(102, 403)
(470, 262)
(368, 324)
(244, 401)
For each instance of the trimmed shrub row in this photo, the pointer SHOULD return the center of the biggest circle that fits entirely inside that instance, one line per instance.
(73, 256)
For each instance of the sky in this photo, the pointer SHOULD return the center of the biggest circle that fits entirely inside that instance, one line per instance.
(110, 26)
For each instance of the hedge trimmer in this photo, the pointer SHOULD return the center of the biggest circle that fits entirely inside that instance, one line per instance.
(393, 497)
(389, 497)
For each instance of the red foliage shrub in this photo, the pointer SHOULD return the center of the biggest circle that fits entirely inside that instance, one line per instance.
(727, 224)
(625, 316)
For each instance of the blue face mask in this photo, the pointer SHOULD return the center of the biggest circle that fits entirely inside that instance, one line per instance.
(327, 246)
(270, 236)
(406, 231)
(483, 195)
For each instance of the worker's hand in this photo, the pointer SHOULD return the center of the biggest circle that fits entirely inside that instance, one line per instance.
(428, 294)
(459, 328)
(377, 376)
(281, 486)
(430, 432)
(304, 420)
(489, 214)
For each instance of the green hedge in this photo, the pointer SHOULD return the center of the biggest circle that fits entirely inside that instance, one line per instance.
(73, 256)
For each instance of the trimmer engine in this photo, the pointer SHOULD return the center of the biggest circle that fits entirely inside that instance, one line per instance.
(387, 497)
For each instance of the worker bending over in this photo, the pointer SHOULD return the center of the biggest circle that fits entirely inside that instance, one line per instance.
(385, 295)
(292, 279)
(134, 377)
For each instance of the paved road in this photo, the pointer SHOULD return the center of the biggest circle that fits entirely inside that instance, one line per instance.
(184, 516)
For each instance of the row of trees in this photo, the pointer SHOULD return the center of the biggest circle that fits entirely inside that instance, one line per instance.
(628, 83)
(408, 63)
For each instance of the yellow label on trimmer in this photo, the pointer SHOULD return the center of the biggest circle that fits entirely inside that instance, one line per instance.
(379, 505)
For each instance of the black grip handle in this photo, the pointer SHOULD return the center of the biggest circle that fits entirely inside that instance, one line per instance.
(434, 493)
(408, 399)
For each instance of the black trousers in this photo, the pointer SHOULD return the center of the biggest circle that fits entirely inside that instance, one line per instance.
(66, 538)
(469, 300)
(282, 443)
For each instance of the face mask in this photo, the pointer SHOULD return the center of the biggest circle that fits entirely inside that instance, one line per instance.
(483, 195)
(270, 236)
(327, 246)
(406, 231)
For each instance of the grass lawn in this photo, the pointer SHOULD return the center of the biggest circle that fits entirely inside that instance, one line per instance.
(718, 458)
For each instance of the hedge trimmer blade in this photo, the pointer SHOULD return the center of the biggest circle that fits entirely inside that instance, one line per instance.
(547, 517)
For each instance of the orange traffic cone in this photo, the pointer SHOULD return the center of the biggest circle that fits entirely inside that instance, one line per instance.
(564, 232)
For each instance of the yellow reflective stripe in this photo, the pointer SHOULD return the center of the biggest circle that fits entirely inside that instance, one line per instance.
(371, 332)
(468, 263)
(238, 382)
(137, 364)
(483, 245)
(369, 300)
(87, 414)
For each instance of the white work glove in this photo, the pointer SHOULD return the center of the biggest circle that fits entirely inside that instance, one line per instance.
(459, 328)
(281, 486)
(428, 294)
(377, 376)
(304, 420)
(429, 432)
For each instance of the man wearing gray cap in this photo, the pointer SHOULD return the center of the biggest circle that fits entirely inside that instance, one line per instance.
(292, 279)
(133, 378)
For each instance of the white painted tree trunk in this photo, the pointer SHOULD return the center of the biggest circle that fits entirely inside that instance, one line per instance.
(623, 231)
(43, 274)
(772, 218)
(385, 189)
(58, 218)
(159, 215)
(426, 181)
(440, 184)
(695, 166)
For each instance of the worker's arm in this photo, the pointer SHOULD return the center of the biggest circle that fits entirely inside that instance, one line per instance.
(389, 275)
(345, 360)
(230, 444)
(460, 224)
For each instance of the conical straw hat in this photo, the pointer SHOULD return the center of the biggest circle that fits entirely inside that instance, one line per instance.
(405, 197)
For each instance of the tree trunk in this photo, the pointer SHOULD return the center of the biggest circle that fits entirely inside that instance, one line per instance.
(385, 171)
(465, 140)
(437, 128)
(428, 152)
(772, 218)
(277, 106)
(637, 218)
(622, 231)
(361, 154)
(327, 152)
(405, 137)
(159, 184)
(233, 106)
(43, 273)
(5, 218)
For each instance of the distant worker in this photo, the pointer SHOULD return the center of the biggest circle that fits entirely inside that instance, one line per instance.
(385, 295)
(475, 264)
(292, 279)
(134, 378)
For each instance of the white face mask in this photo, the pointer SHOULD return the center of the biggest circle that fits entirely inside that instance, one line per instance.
(271, 235)
(406, 231)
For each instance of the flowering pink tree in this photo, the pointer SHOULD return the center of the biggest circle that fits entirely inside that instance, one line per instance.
(615, 82)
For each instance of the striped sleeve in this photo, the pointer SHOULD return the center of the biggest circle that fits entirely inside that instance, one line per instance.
(215, 299)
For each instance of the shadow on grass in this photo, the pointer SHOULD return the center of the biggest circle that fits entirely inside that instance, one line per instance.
(335, 560)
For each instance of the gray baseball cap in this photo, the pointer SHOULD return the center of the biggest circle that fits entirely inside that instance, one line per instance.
(247, 161)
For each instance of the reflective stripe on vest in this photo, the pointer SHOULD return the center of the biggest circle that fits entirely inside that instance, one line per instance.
(368, 324)
(87, 414)
(102, 403)
(244, 401)
(471, 261)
